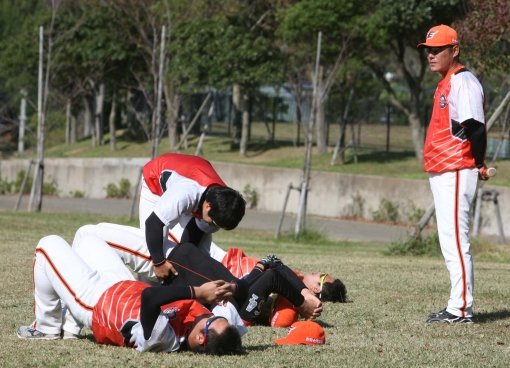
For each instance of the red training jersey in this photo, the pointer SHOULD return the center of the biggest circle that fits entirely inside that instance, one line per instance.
(458, 98)
(121, 303)
(157, 171)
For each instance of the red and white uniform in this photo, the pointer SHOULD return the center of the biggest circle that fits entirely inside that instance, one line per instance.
(101, 294)
(172, 187)
(121, 303)
(130, 247)
(454, 178)
(458, 97)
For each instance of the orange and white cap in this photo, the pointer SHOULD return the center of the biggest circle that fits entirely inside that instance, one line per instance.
(440, 36)
(284, 313)
(304, 332)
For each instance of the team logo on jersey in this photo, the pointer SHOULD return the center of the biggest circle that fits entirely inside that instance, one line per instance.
(442, 101)
(254, 304)
(171, 312)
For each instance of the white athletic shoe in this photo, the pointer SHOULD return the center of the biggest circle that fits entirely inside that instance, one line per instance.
(31, 333)
(66, 335)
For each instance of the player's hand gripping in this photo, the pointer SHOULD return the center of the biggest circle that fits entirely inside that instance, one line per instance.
(164, 271)
(485, 173)
(311, 307)
(214, 292)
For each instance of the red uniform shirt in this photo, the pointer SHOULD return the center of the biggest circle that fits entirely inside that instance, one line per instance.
(155, 172)
(458, 97)
(121, 303)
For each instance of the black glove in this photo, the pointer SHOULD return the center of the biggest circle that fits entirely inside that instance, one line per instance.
(271, 261)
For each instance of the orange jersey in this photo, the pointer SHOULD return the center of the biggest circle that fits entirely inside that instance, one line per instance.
(240, 265)
(121, 303)
(458, 98)
(157, 171)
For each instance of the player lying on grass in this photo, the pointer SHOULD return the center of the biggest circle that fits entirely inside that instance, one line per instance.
(323, 285)
(103, 295)
(196, 267)
(326, 287)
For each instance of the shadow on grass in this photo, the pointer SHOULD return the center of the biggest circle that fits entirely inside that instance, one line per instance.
(378, 156)
(253, 348)
(258, 147)
(486, 317)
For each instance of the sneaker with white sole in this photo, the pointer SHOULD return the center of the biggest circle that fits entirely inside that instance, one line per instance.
(31, 333)
(446, 317)
(66, 335)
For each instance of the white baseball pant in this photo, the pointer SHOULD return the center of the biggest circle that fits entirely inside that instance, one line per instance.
(453, 194)
(77, 277)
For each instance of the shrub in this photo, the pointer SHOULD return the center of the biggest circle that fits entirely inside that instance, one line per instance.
(251, 196)
(417, 246)
(387, 211)
(77, 194)
(118, 191)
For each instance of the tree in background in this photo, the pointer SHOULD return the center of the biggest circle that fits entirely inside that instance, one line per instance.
(391, 35)
(232, 47)
(300, 23)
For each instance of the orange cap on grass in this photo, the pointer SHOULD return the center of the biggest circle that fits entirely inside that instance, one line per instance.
(304, 332)
(284, 313)
(440, 36)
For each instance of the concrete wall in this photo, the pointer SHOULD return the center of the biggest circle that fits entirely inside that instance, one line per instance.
(331, 194)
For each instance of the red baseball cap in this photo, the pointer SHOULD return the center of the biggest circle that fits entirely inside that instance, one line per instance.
(440, 36)
(284, 313)
(304, 332)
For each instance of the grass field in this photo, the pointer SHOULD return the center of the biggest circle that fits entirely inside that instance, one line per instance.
(382, 325)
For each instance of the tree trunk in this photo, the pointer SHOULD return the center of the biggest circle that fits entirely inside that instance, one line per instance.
(245, 131)
(237, 102)
(416, 135)
(173, 101)
(68, 121)
(111, 123)
(88, 128)
(98, 116)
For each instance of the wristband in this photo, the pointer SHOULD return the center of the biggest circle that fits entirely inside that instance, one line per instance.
(159, 263)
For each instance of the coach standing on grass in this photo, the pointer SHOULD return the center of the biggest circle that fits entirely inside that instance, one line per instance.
(175, 187)
(454, 154)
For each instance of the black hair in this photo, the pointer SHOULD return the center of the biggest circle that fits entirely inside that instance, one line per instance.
(334, 292)
(227, 206)
(226, 343)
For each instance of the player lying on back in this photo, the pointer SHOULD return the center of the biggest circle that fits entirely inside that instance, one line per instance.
(102, 295)
(196, 267)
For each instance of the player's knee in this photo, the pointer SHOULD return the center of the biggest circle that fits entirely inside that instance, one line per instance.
(82, 232)
(51, 242)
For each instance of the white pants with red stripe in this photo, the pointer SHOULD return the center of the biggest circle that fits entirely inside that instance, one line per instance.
(76, 277)
(453, 194)
(130, 244)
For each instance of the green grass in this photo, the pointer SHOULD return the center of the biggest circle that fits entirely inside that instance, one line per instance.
(398, 162)
(382, 326)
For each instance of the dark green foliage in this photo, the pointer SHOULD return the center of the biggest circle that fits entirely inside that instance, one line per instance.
(416, 246)
(123, 190)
